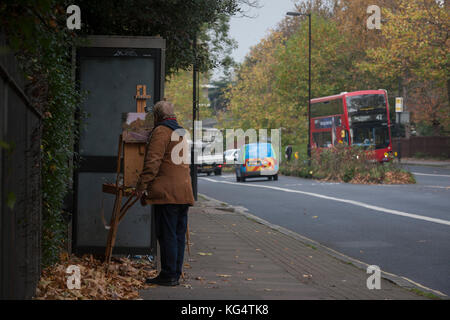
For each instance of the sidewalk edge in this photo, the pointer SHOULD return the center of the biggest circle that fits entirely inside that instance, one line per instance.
(437, 164)
(398, 280)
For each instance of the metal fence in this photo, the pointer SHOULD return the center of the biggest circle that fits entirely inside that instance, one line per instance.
(20, 184)
(422, 146)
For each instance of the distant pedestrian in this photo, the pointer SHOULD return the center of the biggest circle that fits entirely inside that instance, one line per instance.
(169, 189)
(288, 152)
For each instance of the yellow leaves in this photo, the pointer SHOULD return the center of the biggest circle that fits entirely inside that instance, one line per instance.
(414, 39)
(204, 253)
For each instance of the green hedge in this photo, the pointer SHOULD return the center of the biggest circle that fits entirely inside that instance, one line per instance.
(37, 33)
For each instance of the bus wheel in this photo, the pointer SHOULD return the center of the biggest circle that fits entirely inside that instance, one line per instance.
(238, 179)
(275, 177)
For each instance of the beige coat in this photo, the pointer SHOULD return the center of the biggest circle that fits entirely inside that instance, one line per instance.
(165, 181)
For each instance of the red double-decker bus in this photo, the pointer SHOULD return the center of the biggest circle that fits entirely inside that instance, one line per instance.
(358, 118)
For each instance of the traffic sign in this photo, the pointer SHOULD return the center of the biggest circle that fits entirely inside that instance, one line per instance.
(399, 104)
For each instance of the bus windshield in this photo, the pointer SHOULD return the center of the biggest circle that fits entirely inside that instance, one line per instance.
(365, 103)
(368, 120)
(376, 137)
(365, 108)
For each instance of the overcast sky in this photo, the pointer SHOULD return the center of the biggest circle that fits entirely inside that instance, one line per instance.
(249, 31)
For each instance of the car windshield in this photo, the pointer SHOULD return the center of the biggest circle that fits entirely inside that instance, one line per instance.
(370, 137)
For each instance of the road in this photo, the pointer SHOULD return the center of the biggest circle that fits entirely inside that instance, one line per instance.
(403, 229)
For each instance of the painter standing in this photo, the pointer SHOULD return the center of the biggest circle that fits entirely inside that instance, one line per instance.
(168, 187)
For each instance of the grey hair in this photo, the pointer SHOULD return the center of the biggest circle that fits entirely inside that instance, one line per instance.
(163, 110)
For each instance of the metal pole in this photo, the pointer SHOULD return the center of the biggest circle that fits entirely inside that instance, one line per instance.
(309, 94)
(399, 123)
(194, 117)
(309, 81)
(399, 143)
(198, 96)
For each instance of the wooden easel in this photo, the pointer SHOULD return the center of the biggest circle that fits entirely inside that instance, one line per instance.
(141, 98)
(125, 188)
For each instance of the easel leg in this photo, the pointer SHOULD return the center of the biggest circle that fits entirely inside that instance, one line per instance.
(113, 226)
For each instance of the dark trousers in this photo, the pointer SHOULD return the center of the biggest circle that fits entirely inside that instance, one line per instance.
(171, 224)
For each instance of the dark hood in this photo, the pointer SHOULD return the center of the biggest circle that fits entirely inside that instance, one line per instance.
(172, 124)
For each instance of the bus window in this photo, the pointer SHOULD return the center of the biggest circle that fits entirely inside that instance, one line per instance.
(381, 137)
(322, 139)
(375, 136)
(327, 108)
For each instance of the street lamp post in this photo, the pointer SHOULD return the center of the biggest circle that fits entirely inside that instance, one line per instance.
(309, 80)
(194, 117)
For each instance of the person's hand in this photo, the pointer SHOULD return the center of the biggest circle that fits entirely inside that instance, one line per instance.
(143, 202)
(139, 189)
(138, 193)
(143, 198)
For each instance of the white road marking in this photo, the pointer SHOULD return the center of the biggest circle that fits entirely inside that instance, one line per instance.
(438, 187)
(292, 185)
(356, 203)
(429, 174)
(227, 177)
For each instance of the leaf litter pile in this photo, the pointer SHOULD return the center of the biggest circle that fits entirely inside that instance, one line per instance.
(120, 280)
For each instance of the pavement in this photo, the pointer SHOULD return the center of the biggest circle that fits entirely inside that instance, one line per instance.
(426, 162)
(235, 255)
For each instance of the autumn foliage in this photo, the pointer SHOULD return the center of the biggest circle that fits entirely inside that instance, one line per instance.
(408, 56)
(179, 91)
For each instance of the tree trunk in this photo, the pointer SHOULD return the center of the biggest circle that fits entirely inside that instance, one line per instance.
(448, 90)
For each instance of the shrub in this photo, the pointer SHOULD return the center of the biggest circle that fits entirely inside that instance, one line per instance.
(344, 164)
